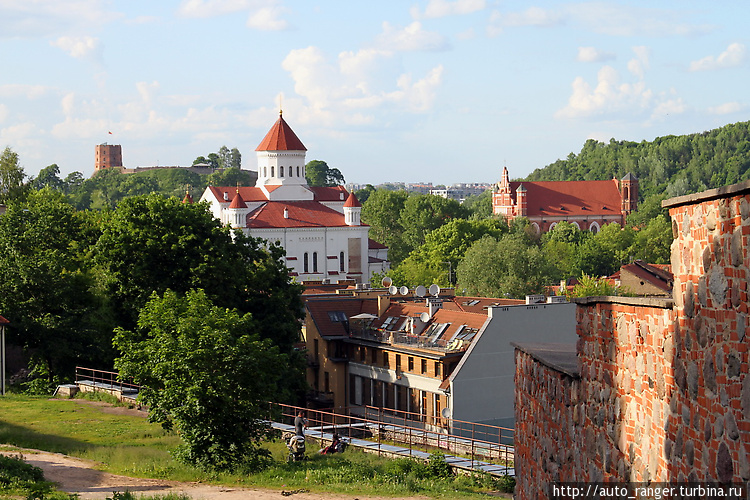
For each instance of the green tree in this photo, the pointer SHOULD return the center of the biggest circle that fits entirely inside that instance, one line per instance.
(382, 211)
(231, 177)
(223, 157)
(206, 373)
(480, 205)
(235, 159)
(653, 243)
(45, 288)
(364, 193)
(591, 286)
(508, 267)
(318, 173)
(423, 213)
(49, 177)
(11, 176)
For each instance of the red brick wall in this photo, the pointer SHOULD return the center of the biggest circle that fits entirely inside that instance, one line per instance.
(664, 391)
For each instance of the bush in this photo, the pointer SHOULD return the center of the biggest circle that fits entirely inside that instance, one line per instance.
(438, 467)
(13, 470)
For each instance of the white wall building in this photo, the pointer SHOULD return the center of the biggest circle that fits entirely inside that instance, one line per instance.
(319, 227)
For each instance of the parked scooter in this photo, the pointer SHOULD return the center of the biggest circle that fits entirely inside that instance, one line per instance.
(296, 445)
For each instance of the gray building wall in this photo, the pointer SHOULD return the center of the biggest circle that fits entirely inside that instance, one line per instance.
(482, 389)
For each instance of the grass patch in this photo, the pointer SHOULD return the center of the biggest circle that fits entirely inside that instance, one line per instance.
(132, 446)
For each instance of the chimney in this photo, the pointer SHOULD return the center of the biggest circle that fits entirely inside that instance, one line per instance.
(433, 304)
(286, 213)
(226, 196)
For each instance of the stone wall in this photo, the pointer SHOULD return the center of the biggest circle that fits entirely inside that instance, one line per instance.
(664, 390)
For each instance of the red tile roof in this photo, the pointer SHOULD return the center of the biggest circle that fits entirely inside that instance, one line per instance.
(4, 321)
(251, 194)
(374, 245)
(301, 214)
(187, 198)
(329, 193)
(352, 201)
(238, 202)
(567, 198)
(281, 137)
(320, 307)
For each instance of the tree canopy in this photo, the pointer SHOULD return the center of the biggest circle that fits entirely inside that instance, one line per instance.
(11, 176)
(318, 173)
(207, 373)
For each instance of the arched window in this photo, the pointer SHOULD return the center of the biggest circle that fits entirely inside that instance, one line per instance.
(291, 171)
(281, 171)
(272, 171)
(341, 262)
(535, 226)
(297, 171)
(315, 262)
(305, 264)
(594, 227)
(552, 226)
(625, 193)
(576, 225)
(265, 171)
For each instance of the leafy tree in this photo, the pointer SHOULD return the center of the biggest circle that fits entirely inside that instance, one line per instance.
(364, 193)
(318, 173)
(45, 289)
(72, 182)
(223, 157)
(213, 160)
(594, 259)
(653, 243)
(206, 373)
(508, 267)
(480, 205)
(235, 159)
(49, 177)
(382, 211)
(444, 249)
(11, 176)
(152, 244)
(230, 177)
(423, 213)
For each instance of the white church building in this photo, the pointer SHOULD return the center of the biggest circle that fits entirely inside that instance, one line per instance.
(319, 227)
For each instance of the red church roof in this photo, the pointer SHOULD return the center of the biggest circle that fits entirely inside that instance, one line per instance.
(281, 137)
(569, 198)
(300, 214)
(238, 202)
(352, 201)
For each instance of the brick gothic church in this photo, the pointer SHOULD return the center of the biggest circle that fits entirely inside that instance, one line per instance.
(589, 205)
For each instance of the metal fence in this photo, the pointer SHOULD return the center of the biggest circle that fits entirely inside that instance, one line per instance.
(102, 379)
(476, 442)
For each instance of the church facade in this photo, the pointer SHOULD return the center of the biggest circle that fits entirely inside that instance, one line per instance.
(589, 205)
(319, 227)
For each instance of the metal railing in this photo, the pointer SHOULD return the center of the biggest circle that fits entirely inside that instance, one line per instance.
(103, 379)
(476, 442)
(410, 340)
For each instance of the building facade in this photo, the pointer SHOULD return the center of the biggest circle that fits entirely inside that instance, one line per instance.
(588, 205)
(319, 227)
(107, 156)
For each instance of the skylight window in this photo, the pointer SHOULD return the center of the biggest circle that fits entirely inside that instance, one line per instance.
(337, 316)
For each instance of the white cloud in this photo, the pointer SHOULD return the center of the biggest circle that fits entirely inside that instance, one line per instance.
(592, 54)
(608, 96)
(533, 16)
(410, 38)
(727, 108)
(733, 56)
(640, 64)
(626, 20)
(27, 91)
(37, 18)
(212, 8)
(25, 136)
(359, 86)
(443, 8)
(81, 47)
(268, 19)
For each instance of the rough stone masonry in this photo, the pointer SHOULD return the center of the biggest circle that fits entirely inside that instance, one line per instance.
(661, 391)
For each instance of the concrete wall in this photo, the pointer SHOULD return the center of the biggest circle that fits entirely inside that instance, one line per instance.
(482, 388)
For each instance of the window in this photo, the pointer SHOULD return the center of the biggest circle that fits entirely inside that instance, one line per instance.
(341, 262)
(281, 171)
(315, 262)
(326, 382)
(337, 316)
(272, 171)
(374, 355)
(398, 362)
(411, 364)
(424, 366)
(297, 171)
(305, 264)
(385, 360)
(291, 172)
(362, 353)
(437, 368)
(265, 171)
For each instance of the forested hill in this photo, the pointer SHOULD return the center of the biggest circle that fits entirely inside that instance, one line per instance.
(667, 166)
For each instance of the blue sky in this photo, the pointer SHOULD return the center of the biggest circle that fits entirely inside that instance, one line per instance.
(426, 90)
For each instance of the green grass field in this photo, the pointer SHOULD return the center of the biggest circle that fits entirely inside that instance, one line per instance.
(130, 445)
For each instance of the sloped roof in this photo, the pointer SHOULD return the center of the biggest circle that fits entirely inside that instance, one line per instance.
(249, 194)
(656, 276)
(320, 307)
(187, 198)
(374, 245)
(329, 193)
(4, 321)
(238, 202)
(567, 198)
(281, 137)
(301, 214)
(352, 201)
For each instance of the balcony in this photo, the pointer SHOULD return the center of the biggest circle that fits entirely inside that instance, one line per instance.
(404, 339)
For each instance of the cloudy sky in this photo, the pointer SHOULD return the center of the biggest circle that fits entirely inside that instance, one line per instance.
(391, 90)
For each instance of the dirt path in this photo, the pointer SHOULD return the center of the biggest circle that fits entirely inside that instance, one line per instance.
(74, 475)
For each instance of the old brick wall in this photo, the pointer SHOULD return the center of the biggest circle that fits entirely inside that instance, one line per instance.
(664, 390)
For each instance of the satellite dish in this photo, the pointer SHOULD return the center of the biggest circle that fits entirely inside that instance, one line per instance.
(392, 290)
(434, 290)
(420, 291)
(386, 282)
(424, 317)
(404, 290)
(446, 412)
